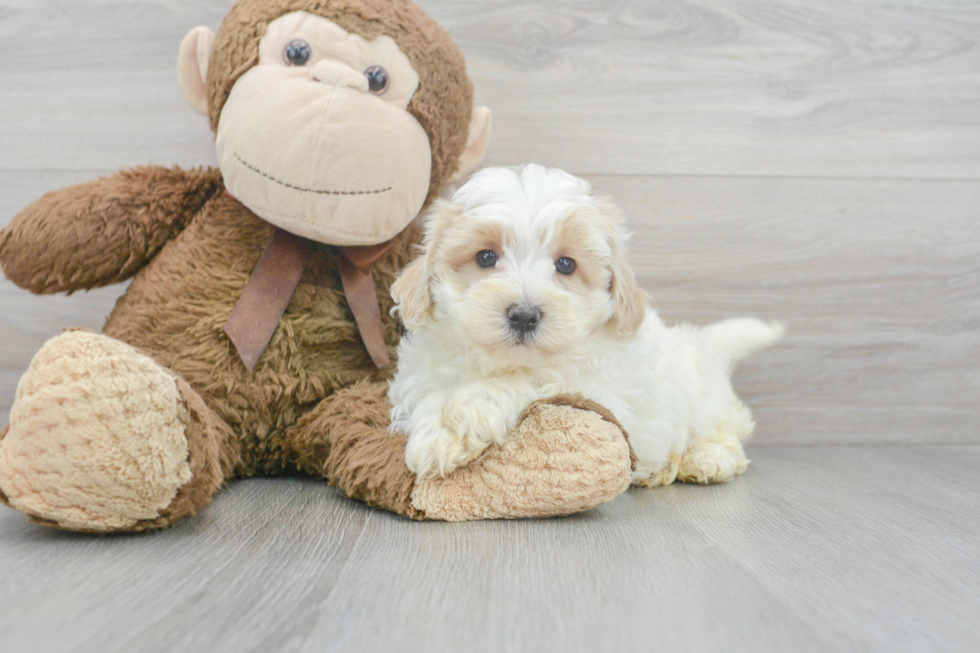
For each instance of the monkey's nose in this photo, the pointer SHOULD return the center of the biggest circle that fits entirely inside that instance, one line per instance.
(523, 318)
(337, 74)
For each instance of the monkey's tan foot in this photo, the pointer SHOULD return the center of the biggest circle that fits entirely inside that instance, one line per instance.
(102, 438)
(714, 460)
(565, 456)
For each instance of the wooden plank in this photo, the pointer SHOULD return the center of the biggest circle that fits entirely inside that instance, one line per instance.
(252, 568)
(93, 85)
(815, 549)
(897, 566)
(878, 281)
(710, 87)
(716, 87)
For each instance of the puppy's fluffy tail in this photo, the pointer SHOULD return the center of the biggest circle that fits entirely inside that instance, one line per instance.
(741, 337)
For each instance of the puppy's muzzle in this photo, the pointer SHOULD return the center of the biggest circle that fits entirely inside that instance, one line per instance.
(523, 319)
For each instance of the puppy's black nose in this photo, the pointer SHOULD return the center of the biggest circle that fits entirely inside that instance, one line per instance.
(523, 318)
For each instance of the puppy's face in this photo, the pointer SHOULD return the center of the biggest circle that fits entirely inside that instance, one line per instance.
(522, 261)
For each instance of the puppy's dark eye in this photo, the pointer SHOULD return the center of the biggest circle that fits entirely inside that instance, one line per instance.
(297, 53)
(486, 258)
(565, 265)
(377, 79)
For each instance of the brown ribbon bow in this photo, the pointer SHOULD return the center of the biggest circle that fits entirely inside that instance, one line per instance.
(273, 282)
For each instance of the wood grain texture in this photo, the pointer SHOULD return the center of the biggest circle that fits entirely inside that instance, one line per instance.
(719, 87)
(815, 549)
(723, 87)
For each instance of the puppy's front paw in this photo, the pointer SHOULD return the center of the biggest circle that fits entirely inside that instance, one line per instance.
(437, 451)
(477, 414)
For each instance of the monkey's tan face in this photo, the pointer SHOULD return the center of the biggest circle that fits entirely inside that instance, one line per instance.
(316, 138)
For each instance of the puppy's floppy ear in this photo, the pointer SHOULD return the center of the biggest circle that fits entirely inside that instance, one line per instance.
(629, 300)
(411, 294)
(413, 299)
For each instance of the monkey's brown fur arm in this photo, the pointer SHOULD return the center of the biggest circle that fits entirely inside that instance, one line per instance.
(104, 231)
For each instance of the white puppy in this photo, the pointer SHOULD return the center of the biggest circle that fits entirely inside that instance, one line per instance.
(524, 293)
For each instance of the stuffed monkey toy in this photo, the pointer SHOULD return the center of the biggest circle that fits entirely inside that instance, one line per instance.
(256, 335)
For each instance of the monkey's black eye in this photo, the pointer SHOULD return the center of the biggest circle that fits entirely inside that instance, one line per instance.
(377, 79)
(297, 53)
(486, 258)
(565, 265)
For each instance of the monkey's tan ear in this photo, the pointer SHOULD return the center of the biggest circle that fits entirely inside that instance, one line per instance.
(411, 294)
(476, 144)
(192, 68)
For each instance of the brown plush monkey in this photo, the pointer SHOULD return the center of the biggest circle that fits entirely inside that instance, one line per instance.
(254, 337)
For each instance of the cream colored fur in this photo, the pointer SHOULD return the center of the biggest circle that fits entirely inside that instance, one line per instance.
(96, 439)
(465, 375)
(365, 172)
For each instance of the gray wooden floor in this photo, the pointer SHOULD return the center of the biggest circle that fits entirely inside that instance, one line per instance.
(817, 163)
(851, 548)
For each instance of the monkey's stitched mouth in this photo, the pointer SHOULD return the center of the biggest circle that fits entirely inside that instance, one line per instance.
(309, 190)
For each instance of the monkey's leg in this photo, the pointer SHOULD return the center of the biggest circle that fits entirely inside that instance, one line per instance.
(345, 438)
(102, 438)
(565, 456)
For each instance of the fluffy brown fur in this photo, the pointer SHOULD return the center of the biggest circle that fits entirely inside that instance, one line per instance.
(346, 439)
(102, 232)
(176, 308)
